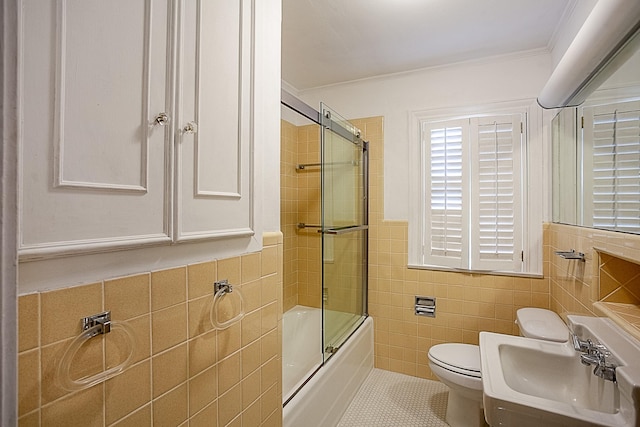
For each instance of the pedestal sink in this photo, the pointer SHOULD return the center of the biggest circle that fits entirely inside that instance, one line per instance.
(528, 382)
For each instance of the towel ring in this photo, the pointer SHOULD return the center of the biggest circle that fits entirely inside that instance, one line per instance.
(221, 289)
(98, 324)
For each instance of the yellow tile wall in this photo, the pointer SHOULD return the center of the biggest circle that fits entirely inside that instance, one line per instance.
(300, 202)
(610, 273)
(289, 211)
(184, 372)
(618, 280)
(343, 275)
(572, 283)
(466, 303)
(309, 212)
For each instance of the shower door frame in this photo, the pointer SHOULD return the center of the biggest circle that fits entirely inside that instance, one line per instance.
(333, 124)
(317, 117)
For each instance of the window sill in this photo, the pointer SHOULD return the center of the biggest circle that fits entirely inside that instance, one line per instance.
(485, 272)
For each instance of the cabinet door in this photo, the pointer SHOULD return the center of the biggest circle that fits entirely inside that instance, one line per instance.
(94, 78)
(214, 170)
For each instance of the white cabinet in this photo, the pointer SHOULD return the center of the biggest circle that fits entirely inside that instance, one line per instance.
(135, 123)
(213, 153)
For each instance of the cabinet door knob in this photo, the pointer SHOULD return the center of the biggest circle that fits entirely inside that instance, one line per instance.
(190, 127)
(162, 119)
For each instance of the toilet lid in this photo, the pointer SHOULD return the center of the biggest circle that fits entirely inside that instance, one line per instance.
(541, 324)
(461, 358)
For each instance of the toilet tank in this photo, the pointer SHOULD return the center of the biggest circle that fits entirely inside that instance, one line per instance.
(541, 324)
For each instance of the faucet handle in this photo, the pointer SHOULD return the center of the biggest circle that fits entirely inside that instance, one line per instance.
(583, 346)
(602, 349)
(606, 371)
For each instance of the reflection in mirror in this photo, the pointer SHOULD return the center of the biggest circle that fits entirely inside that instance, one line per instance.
(611, 165)
(596, 155)
(564, 179)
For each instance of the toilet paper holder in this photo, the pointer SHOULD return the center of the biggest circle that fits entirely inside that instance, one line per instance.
(425, 306)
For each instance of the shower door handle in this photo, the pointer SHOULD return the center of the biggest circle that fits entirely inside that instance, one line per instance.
(343, 230)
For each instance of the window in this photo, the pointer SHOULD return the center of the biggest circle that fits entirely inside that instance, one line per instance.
(472, 194)
(611, 166)
(445, 205)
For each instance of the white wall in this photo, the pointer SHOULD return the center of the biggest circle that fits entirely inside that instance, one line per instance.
(267, 120)
(499, 79)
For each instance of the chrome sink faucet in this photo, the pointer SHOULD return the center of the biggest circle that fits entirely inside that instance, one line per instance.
(595, 354)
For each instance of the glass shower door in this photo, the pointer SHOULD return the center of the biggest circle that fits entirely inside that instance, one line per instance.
(344, 229)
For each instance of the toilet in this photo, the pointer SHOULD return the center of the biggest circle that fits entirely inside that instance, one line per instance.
(541, 324)
(458, 365)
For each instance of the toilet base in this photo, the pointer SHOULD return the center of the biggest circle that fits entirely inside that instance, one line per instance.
(464, 412)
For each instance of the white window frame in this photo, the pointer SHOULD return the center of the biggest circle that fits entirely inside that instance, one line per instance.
(529, 261)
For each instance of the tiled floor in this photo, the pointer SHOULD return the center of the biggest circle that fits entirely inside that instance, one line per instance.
(388, 399)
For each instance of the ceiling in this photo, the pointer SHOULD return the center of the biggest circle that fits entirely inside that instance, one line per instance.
(326, 42)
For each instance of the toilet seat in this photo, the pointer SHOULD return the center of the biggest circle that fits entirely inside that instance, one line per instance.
(463, 359)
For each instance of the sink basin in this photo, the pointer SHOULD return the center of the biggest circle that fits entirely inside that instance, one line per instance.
(528, 382)
(557, 376)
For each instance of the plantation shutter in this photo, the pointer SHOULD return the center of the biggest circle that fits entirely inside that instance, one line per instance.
(496, 147)
(445, 240)
(611, 135)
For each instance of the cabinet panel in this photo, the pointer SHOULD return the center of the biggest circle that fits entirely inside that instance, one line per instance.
(93, 79)
(213, 161)
(101, 111)
(219, 86)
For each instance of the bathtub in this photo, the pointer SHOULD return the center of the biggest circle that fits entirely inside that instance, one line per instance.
(324, 398)
(301, 347)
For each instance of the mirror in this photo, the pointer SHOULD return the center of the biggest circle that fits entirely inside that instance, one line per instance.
(596, 153)
(565, 167)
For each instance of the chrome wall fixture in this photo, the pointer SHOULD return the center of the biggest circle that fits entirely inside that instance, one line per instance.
(302, 225)
(425, 306)
(93, 326)
(303, 166)
(222, 288)
(572, 254)
(335, 230)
